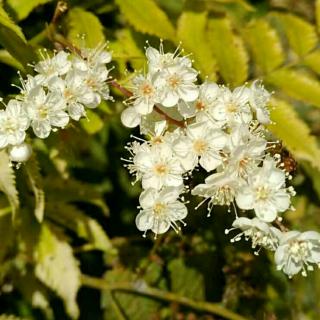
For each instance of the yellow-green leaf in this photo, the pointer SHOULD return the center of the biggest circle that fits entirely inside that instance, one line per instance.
(312, 60)
(8, 182)
(317, 7)
(229, 51)
(264, 44)
(35, 180)
(301, 35)
(13, 39)
(296, 84)
(10, 317)
(294, 132)
(147, 17)
(192, 32)
(83, 24)
(6, 58)
(22, 8)
(93, 123)
(57, 268)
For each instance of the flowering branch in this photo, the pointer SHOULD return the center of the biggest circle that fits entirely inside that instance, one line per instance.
(144, 290)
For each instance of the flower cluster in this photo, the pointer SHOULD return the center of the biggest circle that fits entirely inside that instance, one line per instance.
(222, 132)
(65, 85)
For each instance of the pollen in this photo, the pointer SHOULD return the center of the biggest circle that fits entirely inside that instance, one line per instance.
(160, 169)
(200, 146)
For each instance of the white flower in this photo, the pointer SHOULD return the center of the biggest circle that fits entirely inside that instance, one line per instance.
(157, 166)
(130, 117)
(260, 233)
(208, 93)
(258, 99)
(145, 95)
(73, 92)
(46, 111)
(220, 188)
(160, 210)
(232, 106)
(298, 251)
(264, 192)
(20, 153)
(50, 67)
(200, 141)
(14, 122)
(174, 83)
(158, 60)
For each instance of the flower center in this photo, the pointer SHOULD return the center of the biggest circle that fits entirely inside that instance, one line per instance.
(299, 250)
(43, 112)
(200, 106)
(10, 126)
(160, 169)
(146, 89)
(262, 193)
(157, 140)
(174, 81)
(200, 146)
(159, 208)
(231, 107)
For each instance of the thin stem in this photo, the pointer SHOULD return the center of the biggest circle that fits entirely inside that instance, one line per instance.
(213, 308)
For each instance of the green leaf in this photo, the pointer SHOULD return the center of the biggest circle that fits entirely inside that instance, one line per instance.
(312, 60)
(301, 35)
(296, 84)
(314, 175)
(147, 17)
(92, 123)
(317, 14)
(8, 182)
(10, 317)
(57, 268)
(85, 227)
(134, 307)
(229, 51)
(35, 179)
(294, 132)
(6, 58)
(264, 44)
(192, 32)
(12, 39)
(186, 281)
(23, 8)
(84, 24)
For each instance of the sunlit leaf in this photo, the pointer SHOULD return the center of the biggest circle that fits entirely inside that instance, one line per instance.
(264, 44)
(229, 51)
(296, 84)
(294, 132)
(23, 8)
(192, 32)
(84, 28)
(147, 17)
(57, 268)
(7, 182)
(301, 35)
(92, 123)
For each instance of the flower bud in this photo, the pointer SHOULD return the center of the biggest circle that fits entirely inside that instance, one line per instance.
(20, 153)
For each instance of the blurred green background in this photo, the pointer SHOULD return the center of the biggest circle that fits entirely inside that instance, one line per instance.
(74, 205)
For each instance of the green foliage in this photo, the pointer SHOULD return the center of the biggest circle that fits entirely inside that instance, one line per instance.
(23, 8)
(76, 205)
(228, 48)
(7, 182)
(147, 17)
(13, 39)
(84, 28)
(58, 269)
(191, 31)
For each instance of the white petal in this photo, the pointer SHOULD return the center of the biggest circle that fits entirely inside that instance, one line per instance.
(160, 226)
(170, 98)
(245, 199)
(265, 211)
(148, 197)
(130, 118)
(188, 92)
(144, 220)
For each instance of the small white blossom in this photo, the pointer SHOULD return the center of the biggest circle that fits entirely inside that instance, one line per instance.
(265, 192)
(14, 122)
(45, 111)
(176, 82)
(232, 106)
(160, 210)
(200, 142)
(297, 252)
(260, 233)
(20, 153)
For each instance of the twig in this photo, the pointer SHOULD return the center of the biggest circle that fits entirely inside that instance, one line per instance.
(143, 290)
